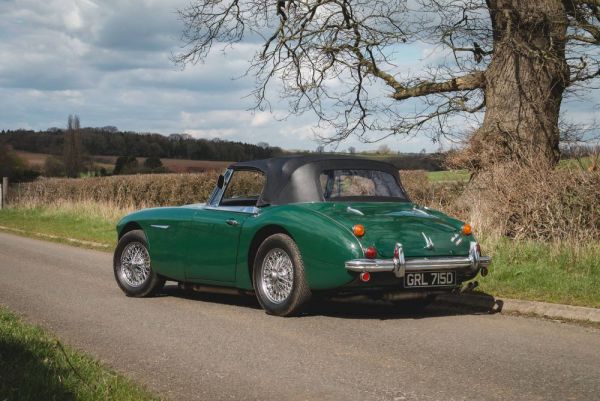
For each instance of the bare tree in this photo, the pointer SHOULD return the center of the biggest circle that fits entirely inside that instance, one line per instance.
(384, 149)
(73, 150)
(500, 70)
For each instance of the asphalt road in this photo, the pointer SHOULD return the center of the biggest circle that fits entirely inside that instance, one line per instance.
(209, 347)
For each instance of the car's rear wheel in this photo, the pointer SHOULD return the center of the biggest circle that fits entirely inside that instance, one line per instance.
(133, 267)
(279, 281)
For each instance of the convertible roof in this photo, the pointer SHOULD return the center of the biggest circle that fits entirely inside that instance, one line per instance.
(292, 179)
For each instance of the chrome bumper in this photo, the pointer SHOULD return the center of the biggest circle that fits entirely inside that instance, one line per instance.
(400, 265)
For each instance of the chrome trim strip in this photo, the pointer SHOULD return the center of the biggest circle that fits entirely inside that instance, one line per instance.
(400, 265)
(238, 209)
(387, 265)
(355, 211)
(162, 227)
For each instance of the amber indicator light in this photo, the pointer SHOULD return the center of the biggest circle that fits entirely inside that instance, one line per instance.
(358, 230)
(467, 229)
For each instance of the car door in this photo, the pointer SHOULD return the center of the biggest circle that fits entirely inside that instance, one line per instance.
(213, 245)
(167, 234)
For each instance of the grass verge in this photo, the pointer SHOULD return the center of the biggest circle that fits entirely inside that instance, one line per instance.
(74, 225)
(34, 365)
(551, 272)
(558, 272)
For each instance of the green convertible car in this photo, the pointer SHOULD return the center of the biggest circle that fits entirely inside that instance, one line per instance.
(291, 227)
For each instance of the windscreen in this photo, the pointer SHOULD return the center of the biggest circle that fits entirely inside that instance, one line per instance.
(345, 184)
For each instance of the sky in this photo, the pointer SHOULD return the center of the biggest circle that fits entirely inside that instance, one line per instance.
(110, 63)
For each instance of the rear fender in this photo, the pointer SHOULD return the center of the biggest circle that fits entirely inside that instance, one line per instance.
(325, 245)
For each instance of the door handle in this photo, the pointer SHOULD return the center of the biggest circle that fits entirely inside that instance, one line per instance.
(159, 226)
(232, 222)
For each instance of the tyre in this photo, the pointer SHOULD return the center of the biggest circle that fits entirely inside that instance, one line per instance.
(133, 268)
(278, 277)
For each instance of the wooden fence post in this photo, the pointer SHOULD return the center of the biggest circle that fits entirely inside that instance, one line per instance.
(4, 192)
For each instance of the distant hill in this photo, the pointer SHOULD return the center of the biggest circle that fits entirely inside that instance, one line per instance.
(108, 141)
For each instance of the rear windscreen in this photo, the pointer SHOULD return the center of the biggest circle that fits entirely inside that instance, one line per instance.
(357, 184)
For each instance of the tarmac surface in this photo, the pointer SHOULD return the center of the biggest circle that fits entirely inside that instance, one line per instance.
(191, 346)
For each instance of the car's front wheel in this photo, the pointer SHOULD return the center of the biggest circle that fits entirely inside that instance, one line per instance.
(279, 281)
(133, 268)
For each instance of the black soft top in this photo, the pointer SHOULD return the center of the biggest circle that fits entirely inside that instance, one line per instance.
(292, 179)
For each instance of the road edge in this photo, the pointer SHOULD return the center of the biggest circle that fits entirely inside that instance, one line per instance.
(518, 306)
(485, 302)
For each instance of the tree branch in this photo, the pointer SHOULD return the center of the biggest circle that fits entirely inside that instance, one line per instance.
(474, 80)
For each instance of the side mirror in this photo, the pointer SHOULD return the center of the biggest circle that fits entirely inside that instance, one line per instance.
(220, 181)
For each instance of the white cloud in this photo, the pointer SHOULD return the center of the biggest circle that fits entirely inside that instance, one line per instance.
(261, 119)
(211, 133)
(109, 62)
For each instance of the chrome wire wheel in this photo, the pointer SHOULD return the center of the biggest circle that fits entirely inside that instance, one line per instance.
(134, 269)
(277, 275)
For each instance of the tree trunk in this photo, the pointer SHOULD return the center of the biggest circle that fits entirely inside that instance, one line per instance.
(525, 82)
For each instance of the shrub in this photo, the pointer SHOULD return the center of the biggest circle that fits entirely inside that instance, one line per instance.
(125, 165)
(126, 191)
(440, 195)
(153, 163)
(535, 203)
(54, 167)
(14, 167)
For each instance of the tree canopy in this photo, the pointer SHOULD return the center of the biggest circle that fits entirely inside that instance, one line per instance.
(499, 74)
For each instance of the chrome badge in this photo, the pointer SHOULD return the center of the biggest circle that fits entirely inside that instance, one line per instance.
(428, 242)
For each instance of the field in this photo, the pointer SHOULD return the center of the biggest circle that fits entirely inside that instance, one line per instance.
(36, 366)
(37, 160)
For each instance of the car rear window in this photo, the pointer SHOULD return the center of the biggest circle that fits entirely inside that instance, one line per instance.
(357, 184)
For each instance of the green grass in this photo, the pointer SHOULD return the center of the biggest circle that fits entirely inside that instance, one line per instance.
(68, 226)
(577, 164)
(35, 366)
(463, 175)
(448, 175)
(559, 273)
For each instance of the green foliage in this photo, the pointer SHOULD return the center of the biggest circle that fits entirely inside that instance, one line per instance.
(126, 165)
(153, 163)
(35, 366)
(107, 141)
(54, 167)
(13, 167)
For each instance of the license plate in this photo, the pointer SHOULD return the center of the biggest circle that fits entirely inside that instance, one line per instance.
(429, 279)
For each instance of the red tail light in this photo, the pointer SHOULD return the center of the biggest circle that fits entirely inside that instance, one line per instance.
(479, 249)
(365, 277)
(371, 252)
